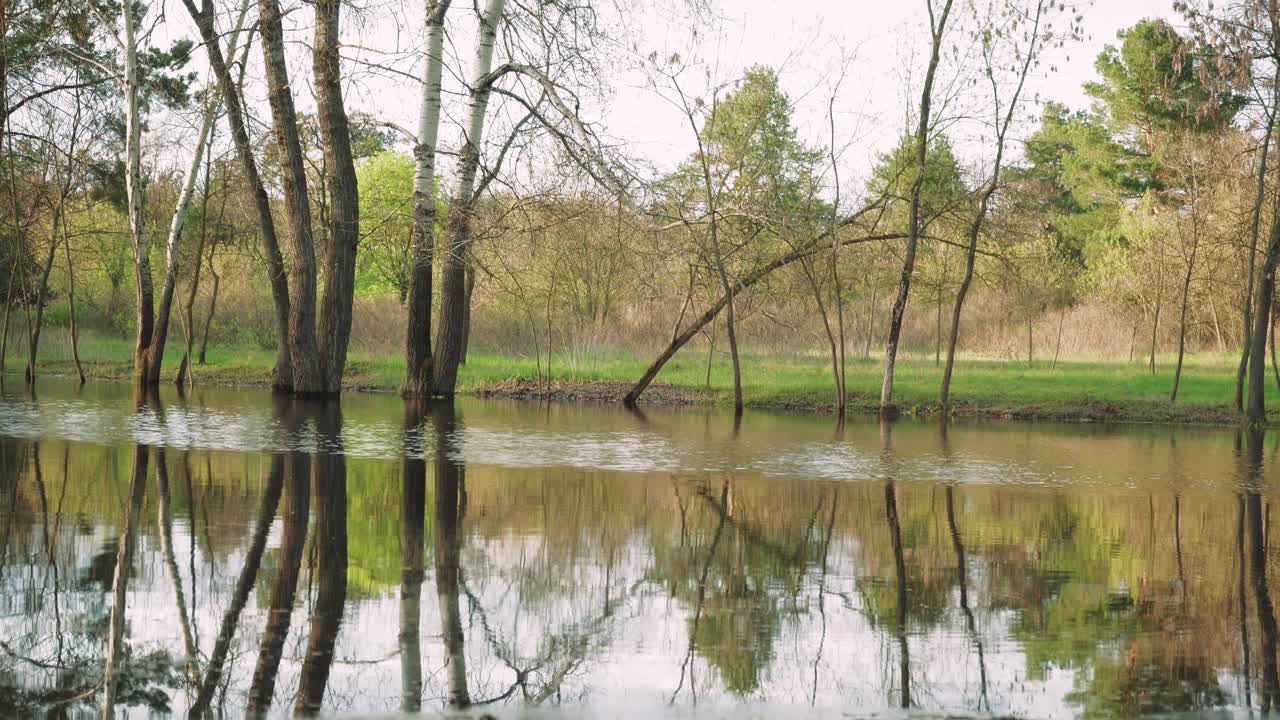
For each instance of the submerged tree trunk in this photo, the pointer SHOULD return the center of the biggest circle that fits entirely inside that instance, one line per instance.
(417, 380)
(282, 375)
(331, 565)
(453, 296)
(304, 351)
(413, 503)
(343, 195)
(120, 580)
(900, 580)
(243, 588)
(937, 28)
(297, 498)
(450, 478)
(1270, 693)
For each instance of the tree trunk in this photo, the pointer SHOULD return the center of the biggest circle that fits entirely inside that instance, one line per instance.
(304, 351)
(1255, 521)
(871, 318)
(711, 353)
(453, 296)
(417, 381)
(1256, 408)
(979, 218)
(1275, 368)
(1057, 344)
(293, 537)
(282, 375)
(730, 331)
(937, 332)
(344, 197)
(188, 319)
(1155, 332)
(1030, 341)
(1182, 331)
(913, 223)
(33, 337)
(120, 580)
(243, 589)
(138, 242)
(331, 564)
(1255, 222)
(743, 283)
(8, 306)
(213, 306)
(450, 477)
(466, 323)
(71, 303)
(811, 276)
(412, 555)
(164, 308)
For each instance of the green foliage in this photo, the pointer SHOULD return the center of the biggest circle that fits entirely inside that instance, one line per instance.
(1159, 81)
(386, 223)
(943, 190)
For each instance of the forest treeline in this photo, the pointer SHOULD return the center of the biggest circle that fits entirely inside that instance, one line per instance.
(197, 177)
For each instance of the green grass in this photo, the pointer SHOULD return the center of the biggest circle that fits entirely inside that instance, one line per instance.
(1078, 388)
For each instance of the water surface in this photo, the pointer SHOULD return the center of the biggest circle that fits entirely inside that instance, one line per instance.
(248, 554)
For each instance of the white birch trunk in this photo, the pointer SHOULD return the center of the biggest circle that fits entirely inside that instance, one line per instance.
(453, 311)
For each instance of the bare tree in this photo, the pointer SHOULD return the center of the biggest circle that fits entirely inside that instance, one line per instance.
(992, 56)
(937, 28)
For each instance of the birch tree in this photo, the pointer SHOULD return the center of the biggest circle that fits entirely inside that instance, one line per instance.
(417, 379)
(209, 116)
(453, 315)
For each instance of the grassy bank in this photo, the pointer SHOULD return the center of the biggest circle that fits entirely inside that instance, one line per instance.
(1079, 389)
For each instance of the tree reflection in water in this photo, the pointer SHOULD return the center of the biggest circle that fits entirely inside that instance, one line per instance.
(717, 582)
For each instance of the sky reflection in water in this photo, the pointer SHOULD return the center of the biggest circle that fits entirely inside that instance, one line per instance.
(370, 556)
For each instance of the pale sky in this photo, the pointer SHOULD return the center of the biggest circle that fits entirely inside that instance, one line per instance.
(805, 40)
(886, 43)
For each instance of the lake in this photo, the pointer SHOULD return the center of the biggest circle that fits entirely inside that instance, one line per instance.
(259, 556)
